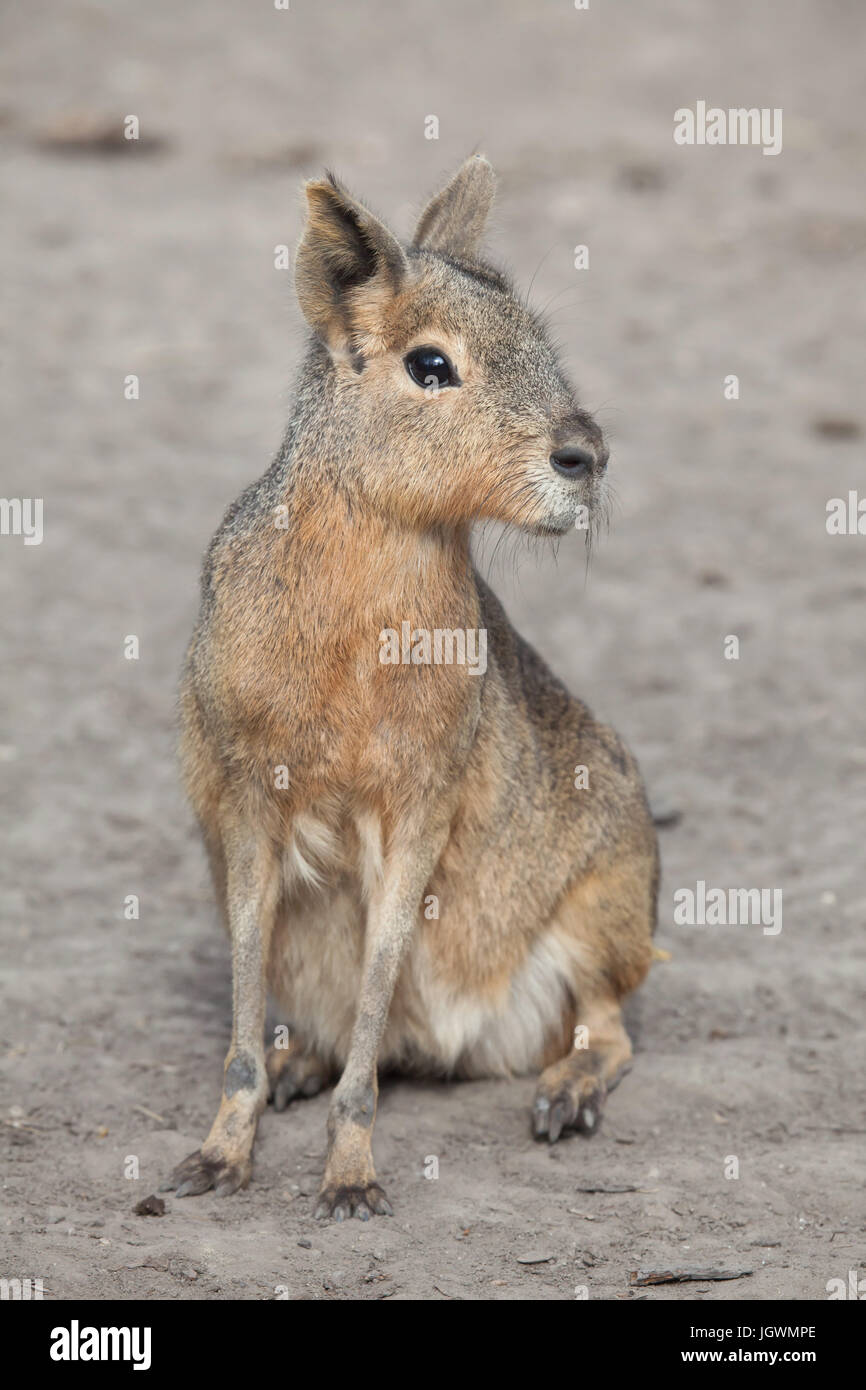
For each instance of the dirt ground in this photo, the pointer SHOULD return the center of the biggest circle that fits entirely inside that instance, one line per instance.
(156, 258)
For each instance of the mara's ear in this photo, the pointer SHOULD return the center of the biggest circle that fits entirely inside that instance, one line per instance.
(343, 246)
(453, 222)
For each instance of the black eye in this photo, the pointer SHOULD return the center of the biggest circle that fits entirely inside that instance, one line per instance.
(427, 366)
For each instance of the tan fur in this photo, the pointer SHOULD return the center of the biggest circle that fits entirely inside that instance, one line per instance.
(406, 784)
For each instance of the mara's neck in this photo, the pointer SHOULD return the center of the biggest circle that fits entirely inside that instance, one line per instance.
(354, 568)
(341, 555)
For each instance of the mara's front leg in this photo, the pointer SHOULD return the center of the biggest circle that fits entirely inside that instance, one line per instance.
(224, 1160)
(349, 1186)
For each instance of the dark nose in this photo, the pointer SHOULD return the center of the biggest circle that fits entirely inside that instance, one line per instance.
(574, 462)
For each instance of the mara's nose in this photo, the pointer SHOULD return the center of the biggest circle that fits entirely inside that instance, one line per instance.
(573, 462)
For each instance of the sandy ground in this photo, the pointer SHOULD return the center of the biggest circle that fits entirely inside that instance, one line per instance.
(158, 259)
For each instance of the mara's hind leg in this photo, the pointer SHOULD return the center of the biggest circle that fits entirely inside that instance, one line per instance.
(295, 1072)
(606, 923)
(571, 1092)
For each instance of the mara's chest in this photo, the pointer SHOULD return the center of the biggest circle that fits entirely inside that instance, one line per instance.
(361, 682)
(339, 717)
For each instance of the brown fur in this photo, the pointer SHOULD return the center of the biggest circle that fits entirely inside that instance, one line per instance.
(404, 782)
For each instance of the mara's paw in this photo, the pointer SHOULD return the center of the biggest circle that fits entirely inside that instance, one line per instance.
(567, 1103)
(339, 1202)
(294, 1076)
(200, 1172)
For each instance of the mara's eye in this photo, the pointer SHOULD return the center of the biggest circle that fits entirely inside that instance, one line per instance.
(429, 367)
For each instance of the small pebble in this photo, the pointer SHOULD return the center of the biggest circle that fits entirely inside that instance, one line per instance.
(150, 1206)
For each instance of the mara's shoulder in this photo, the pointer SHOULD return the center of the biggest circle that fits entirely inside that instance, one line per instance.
(257, 506)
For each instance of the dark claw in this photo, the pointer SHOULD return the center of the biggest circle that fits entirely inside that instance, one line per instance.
(342, 1202)
(197, 1174)
(557, 1121)
(540, 1117)
(589, 1113)
(283, 1093)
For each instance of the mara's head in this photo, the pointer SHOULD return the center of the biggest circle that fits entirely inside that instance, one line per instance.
(450, 399)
